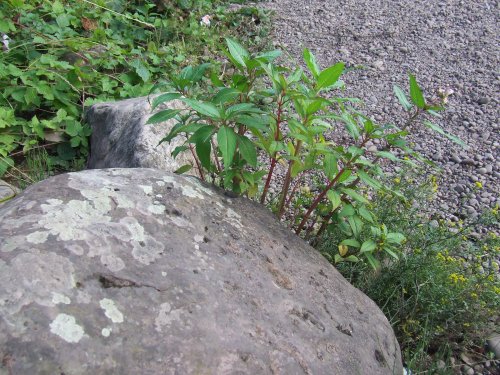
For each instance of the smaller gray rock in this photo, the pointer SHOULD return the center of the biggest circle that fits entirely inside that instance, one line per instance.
(483, 100)
(482, 171)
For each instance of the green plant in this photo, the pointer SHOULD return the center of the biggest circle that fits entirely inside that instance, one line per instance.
(63, 56)
(437, 295)
(291, 117)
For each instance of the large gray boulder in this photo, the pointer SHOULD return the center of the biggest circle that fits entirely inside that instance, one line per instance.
(138, 271)
(122, 139)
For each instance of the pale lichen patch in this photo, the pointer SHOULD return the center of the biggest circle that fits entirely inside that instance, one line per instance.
(190, 192)
(147, 189)
(181, 222)
(147, 251)
(112, 262)
(11, 243)
(32, 278)
(37, 237)
(58, 298)
(74, 220)
(166, 316)
(157, 209)
(106, 331)
(233, 218)
(111, 311)
(65, 327)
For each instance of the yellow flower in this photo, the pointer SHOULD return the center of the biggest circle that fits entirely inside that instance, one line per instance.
(478, 185)
(466, 324)
(456, 278)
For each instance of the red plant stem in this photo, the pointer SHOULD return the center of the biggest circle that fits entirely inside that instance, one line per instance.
(320, 197)
(217, 163)
(198, 165)
(294, 190)
(288, 179)
(273, 158)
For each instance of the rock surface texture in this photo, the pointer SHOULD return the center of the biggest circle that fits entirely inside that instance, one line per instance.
(122, 139)
(138, 271)
(448, 44)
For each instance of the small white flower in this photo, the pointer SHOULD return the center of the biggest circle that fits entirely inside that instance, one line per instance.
(5, 42)
(205, 20)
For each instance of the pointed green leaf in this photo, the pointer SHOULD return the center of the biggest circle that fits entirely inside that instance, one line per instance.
(367, 179)
(226, 137)
(391, 252)
(369, 245)
(372, 260)
(365, 214)
(396, 238)
(164, 115)
(166, 97)
(247, 150)
(351, 242)
(239, 54)
(203, 150)
(202, 135)
(439, 130)
(203, 108)
(330, 75)
(330, 166)
(356, 225)
(402, 98)
(311, 63)
(334, 197)
(183, 169)
(416, 94)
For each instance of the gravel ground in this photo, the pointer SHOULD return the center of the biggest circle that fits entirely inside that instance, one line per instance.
(448, 44)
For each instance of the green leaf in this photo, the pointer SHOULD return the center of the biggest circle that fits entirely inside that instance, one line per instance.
(203, 108)
(166, 97)
(269, 55)
(183, 169)
(391, 252)
(369, 245)
(346, 173)
(402, 98)
(330, 75)
(247, 150)
(387, 155)
(356, 225)
(396, 238)
(311, 63)
(416, 94)
(439, 130)
(239, 54)
(367, 179)
(226, 137)
(141, 70)
(365, 214)
(178, 150)
(203, 150)
(164, 115)
(202, 135)
(334, 197)
(225, 95)
(372, 260)
(352, 258)
(330, 166)
(351, 242)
